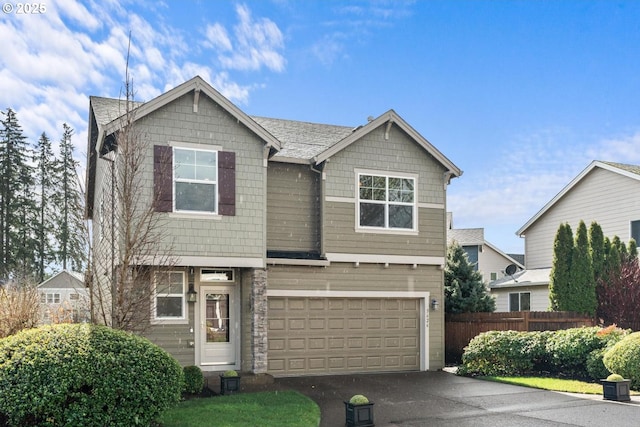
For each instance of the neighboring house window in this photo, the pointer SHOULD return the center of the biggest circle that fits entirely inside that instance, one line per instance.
(50, 298)
(472, 255)
(195, 180)
(494, 276)
(74, 297)
(520, 301)
(386, 202)
(635, 231)
(169, 295)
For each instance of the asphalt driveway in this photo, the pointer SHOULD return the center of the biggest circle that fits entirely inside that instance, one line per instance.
(444, 399)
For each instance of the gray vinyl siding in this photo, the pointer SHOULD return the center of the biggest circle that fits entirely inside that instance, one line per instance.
(602, 196)
(241, 235)
(371, 277)
(397, 154)
(175, 338)
(293, 208)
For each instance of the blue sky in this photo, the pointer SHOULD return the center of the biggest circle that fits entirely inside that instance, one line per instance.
(521, 95)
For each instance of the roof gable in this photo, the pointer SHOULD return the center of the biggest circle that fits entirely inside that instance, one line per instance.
(63, 280)
(630, 171)
(389, 118)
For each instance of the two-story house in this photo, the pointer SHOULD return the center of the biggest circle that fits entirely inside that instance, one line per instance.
(311, 248)
(603, 192)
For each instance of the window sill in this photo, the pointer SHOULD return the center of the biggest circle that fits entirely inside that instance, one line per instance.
(390, 231)
(169, 321)
(188, 215)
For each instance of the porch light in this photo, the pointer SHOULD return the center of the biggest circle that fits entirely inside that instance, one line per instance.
(192, 295)
(435, 304)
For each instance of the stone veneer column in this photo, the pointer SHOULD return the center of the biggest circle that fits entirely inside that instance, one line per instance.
(259, 319)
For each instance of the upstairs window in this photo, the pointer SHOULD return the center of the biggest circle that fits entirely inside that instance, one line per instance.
(195, 180)
(386, 202)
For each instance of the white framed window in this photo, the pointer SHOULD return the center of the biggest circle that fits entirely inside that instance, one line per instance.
(216, 275)
(519, 301)
(50, 298)
(386, 202)
(169, 298)
(195, 180)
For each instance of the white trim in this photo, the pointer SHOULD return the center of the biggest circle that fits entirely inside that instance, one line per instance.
(194, 215)
(340, 199)
(194, 146)
(225, 261)
(431, 205)
(308, 262)
(385, 259)
(424, 298)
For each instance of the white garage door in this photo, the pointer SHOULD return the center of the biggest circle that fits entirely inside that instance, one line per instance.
(338, 335)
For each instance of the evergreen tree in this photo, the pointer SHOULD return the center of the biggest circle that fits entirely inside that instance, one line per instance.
(46, 180)
(70, 229)
(582, 297)
(597, 250)
(633, 249)
(559, 282)
(16, 191)
(464, 290)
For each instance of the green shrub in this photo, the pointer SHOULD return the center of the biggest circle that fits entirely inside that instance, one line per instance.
(504, 353)
(624, 359)
(230, 373)
(615, 377)
(193, 380)
(85, 375)
(358, 399)
(609, 336)
(569, 349)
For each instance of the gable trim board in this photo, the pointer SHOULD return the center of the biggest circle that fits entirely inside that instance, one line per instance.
(625, 170)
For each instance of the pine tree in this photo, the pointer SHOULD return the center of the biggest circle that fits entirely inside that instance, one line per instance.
(16, 192)
(46, 180)
(464, 290)
(582, 297)
(559, 282)
(70, 234)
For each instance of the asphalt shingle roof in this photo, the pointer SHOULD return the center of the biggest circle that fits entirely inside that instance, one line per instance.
(629, 168)
(303, 140)
(107, 110)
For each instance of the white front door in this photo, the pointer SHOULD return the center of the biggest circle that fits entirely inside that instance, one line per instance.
(219, 325)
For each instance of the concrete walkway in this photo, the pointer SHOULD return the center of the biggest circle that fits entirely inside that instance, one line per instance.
(444, 399)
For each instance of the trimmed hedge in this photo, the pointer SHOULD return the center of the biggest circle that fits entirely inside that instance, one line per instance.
(504, 353)
(193, 380)
(576, 352)
(85, 375)
(624, 358)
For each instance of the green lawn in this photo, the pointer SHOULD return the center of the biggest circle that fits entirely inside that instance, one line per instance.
(552, 384)
(265, 409)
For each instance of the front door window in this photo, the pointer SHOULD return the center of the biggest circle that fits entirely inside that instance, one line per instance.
(217, 317)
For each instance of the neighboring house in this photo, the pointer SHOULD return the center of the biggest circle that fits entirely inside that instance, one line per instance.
(489, 260)
(604, 192)
(64, 298)
(320, 249)
(526, 290)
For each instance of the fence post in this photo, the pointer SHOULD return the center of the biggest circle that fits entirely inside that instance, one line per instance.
(526, 320)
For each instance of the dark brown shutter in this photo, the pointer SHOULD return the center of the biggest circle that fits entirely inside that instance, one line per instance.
(163, 178)
(227, 183)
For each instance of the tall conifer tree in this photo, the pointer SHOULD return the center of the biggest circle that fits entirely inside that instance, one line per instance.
(559, 283)
(582, 295)
(47, 180)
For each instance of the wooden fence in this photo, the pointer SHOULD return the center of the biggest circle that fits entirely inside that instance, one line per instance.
(461, 328)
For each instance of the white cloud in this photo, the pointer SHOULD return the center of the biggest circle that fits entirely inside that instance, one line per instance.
(257, 43)
(217, 37)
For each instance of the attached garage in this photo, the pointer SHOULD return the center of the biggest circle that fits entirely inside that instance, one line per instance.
(346, 333)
